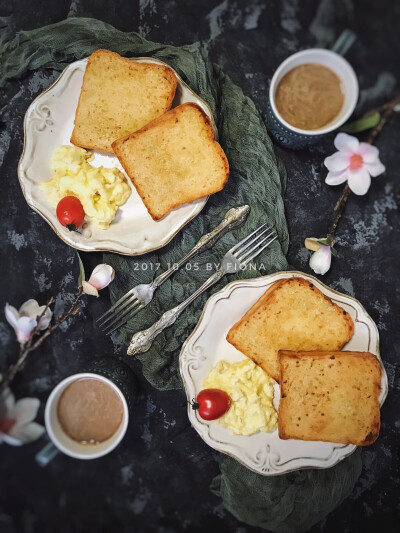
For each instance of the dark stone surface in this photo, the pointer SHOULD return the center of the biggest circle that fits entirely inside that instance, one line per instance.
(157, 480)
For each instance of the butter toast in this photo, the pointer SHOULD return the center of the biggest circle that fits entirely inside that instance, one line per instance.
(292, 315)
(174, 160)
(329, 396)
(119, 96)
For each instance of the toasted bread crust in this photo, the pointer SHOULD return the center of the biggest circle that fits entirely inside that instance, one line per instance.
(79, 138)
(231, 336)
(164, 122)
(329, 396)
(237, 334)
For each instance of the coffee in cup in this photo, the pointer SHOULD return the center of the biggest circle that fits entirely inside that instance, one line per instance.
(309, 96)
(312, 93)
(89, 411)
(86, 417)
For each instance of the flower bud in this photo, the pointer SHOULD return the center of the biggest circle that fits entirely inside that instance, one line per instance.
(101, 276)
(320, 261)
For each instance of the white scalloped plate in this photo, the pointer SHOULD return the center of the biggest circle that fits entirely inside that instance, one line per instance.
(48, 123)
(264, 453)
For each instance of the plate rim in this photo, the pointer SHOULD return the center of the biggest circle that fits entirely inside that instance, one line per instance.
(228, 290)
(20, 171)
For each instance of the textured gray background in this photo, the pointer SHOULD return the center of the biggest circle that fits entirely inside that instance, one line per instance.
(157, 480)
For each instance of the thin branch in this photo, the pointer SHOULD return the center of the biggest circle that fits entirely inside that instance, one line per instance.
(386, 110)
(32, 344)
(338, 209)
(36, 330)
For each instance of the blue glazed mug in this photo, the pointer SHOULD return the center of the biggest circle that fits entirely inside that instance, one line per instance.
(289, 136)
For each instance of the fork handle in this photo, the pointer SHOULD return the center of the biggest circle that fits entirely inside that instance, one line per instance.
(232, 219)
(142, 340)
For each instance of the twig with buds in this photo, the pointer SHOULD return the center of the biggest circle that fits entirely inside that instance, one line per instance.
(387, 110)
(37, 337)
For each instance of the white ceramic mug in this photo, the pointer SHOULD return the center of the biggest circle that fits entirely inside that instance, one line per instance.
(292, 137)
(62, 442)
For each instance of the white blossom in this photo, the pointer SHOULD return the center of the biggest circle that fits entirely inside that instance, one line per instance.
(355, 163)
(25, 320)
(16, 419)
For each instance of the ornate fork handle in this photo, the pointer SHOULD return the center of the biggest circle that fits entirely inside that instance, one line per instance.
(233, 218)
(142, 341)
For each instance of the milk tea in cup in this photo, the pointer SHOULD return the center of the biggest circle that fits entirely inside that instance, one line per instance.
(89, 411)
(86, 416)
(310, 96)
(312, 93)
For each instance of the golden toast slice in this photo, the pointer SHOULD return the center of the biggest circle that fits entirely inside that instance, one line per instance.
(119, 96)
(292, 315)
(174, 160)
(329, 396)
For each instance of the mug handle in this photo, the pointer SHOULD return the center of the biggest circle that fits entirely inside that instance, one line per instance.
(344, 42)
(46, 454)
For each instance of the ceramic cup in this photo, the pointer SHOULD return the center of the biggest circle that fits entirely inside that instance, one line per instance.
(115, 374)
(291, 137)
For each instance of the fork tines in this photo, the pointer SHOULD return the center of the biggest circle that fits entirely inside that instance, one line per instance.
(129, 305)
(245, 258)
(119, 313)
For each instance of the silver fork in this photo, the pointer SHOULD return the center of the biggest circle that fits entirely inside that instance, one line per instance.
(235, 259)
(137, 298)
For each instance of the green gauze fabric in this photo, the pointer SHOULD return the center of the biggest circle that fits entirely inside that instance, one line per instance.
(288, 503)
(291, 502)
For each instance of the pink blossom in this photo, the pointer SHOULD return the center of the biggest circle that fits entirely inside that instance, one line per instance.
(24, 321)
(355, 163)
(16, 419)
(101, 276)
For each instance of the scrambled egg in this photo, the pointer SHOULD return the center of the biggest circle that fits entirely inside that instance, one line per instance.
(100, 190)
(251, 391)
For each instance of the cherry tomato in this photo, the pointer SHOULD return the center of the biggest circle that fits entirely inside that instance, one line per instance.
(212, 403)
(70, 212)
